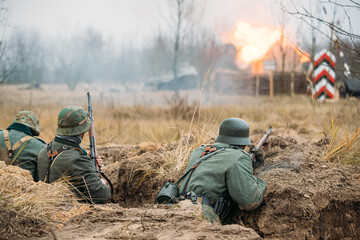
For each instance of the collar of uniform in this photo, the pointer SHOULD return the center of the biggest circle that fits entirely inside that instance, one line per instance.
(221, 145)
(67, 142)
(20, 127)
(226, 145)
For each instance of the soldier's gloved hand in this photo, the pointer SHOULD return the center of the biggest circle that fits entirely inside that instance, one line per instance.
(103, 181)
(259, 156)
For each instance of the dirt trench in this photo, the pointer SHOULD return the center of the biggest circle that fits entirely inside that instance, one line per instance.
(306, 198)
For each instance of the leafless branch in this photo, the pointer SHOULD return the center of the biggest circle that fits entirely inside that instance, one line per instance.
(357, 5)
(337, 31)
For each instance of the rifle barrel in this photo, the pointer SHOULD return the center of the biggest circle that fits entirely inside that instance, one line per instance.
(92, 134)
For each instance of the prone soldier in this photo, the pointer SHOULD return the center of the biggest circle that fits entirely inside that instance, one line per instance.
(225, 179)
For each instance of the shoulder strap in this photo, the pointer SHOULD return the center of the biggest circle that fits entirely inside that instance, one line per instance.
(6, 139)
(205, 155)
(52, 157)
(19, 143)
(18, 152)
(208, 149)
(11, 149)
(203, 158)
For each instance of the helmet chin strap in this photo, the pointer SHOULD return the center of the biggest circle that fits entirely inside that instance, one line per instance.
(81, 136)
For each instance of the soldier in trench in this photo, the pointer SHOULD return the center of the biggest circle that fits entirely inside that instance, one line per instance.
(19, 144)
(64, 159)
(225, 180)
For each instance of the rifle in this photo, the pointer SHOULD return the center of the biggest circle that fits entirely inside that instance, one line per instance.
(93, 149)
(261, 142)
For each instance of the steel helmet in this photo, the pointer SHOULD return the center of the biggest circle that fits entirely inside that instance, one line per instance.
(30, 120)
(72, 121)
(234, 131)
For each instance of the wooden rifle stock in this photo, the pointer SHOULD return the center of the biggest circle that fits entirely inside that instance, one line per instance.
(261, 143)
(93, 149)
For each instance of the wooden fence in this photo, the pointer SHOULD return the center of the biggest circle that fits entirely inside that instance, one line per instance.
(267, 84)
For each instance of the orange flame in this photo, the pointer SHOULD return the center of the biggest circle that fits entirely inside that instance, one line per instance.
(304, 57)
(253, 42)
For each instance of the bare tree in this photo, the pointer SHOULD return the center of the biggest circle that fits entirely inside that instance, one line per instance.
(206, 51)
(341, 31)
(7, 67)
(280, 19)
(27, 49)
(182, 17)
(79, 58)
(158, 54)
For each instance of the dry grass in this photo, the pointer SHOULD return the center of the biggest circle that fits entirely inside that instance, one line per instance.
(27, 207)
(157, 117)
(344, 146)
(40, 200)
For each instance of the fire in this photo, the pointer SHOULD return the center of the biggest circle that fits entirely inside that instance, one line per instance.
(304, 57)
(253, 42)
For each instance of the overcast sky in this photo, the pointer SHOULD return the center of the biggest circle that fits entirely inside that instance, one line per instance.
(135, 19)
(120, 18)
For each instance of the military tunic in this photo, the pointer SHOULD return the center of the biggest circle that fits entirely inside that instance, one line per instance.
(230, 170)
(27, 159)
(74, 166)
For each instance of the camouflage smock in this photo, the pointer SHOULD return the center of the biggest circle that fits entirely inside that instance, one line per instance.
(75, 167)
(27, 159)
(230, 170)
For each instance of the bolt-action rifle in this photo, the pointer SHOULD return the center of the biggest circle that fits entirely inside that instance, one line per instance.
(93, 149)
(261, 142)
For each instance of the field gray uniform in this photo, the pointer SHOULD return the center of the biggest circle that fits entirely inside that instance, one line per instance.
(64, 159)
(26, 126)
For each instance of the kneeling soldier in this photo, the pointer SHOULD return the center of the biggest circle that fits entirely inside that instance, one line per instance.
(226, 177)
(18, 144)
(64, 158)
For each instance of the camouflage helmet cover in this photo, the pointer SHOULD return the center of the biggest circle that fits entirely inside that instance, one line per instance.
(234, 131)
(29, 119)
(72, 121)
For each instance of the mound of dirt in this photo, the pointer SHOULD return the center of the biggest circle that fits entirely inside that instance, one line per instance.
(137, 173)
(306, 196)
(148, 222)
(28, 208)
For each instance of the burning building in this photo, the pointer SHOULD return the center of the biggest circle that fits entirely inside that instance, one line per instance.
(269, 62)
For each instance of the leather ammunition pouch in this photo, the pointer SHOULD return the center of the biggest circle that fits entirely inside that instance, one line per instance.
(224, 207)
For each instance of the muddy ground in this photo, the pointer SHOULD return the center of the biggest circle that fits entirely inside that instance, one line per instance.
(306, 198)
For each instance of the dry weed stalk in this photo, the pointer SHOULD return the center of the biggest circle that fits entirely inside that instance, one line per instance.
(345, 148)
(189, 141)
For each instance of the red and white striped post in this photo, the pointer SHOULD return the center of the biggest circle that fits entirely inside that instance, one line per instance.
(323, 75)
